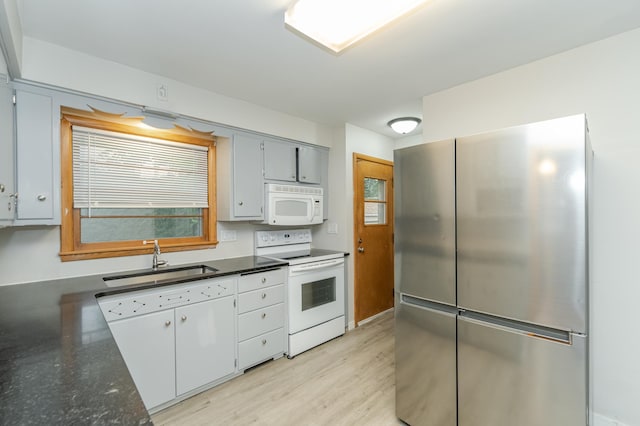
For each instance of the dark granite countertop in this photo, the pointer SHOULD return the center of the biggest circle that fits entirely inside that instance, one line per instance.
(59, 363)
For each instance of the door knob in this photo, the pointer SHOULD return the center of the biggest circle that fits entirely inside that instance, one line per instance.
(184, 318)
(361, 249)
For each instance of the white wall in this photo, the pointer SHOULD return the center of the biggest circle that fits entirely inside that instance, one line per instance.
(53, 65)
(11, 35)
(348, 140)
(3, 65)
(602, 80)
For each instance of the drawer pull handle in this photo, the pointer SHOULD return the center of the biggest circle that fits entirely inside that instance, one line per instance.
(167, 323)
(184, 318)
(264, 280)
(264, 295)
(264, 315)
(264, 342)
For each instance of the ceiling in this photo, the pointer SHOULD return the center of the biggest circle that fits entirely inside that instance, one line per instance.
(242, 49)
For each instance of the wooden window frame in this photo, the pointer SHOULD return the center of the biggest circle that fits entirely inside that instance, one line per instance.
(71, 247)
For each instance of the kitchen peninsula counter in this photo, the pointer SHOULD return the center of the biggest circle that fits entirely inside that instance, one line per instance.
(59, 363)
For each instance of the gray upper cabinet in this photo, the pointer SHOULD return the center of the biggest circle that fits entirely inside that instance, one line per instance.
(309, 165)
(7, 188)
(34, 158)
(279, 160)
(239, 178)
(292, 162)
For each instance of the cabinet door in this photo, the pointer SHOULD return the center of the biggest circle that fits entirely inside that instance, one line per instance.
(6, 154)
(147, 346)
(248, 187)
(309, 165)
(279, 160)
(34, 157)
(205, 343)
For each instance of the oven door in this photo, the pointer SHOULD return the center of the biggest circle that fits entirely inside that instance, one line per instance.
(316, 293)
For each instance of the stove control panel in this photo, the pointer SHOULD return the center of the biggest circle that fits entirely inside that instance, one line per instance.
(282, 237)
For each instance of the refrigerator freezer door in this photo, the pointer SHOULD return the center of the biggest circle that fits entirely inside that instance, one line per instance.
(424, 185)
(508, 378)
(521, 223)
(425, 366)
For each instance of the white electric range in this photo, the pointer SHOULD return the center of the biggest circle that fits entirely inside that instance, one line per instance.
(315, 295)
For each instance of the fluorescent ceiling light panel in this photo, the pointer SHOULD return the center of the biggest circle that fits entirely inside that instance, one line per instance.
(338, 24)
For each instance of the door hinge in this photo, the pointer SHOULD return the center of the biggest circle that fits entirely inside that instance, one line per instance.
(235, 362)
(234, 303)
(262, 146)
(13, 99)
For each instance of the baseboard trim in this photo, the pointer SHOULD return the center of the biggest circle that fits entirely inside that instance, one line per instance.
(371, 318)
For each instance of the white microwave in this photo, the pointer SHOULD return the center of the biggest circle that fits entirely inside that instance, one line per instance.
(292, 205)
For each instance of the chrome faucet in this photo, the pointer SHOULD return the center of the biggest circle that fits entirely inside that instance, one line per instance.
(156, 252)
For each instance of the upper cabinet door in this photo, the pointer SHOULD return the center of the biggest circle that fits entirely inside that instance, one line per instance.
(7, 207)
(248, 189)
(425, 228)
(279, 160)
(309, 165)
(34, 157)
(522, 223)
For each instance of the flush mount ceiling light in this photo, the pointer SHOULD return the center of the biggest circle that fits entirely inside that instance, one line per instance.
(337, 24)
(404, 125)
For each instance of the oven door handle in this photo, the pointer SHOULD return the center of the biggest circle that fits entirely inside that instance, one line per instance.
(316, 265)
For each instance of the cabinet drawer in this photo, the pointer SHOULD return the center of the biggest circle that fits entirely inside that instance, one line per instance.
(256, 299)
(261, 279)
(260, 321)
(260, 348)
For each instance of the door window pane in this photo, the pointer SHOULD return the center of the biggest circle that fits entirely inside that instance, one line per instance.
(374, 189)
(375, 206)
(374, 213)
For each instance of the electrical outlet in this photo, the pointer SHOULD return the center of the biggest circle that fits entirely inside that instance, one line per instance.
(162, 90)
(228, 236)
(333, 228)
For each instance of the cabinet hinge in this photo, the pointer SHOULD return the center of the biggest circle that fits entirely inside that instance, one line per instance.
(235, 362)
(262, 146)
(13, 99)
(234, 303)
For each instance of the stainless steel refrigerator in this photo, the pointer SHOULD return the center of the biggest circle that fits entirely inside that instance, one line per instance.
(492, 273)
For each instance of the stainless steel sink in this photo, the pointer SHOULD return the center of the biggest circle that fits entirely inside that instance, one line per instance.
(152, 277)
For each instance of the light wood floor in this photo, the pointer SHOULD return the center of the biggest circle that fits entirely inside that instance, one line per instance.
(347, 381)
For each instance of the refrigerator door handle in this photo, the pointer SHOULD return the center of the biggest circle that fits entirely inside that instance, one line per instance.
(513, 326)
(428, 305)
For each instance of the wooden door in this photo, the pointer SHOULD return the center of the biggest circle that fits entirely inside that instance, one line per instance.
(373, 235)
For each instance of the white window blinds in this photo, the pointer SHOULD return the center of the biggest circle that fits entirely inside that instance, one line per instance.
(118, 170)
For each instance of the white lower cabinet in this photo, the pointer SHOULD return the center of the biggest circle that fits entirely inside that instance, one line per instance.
(205, 341)
(176, 339)
(261, 317)
(147, 346)
(179, 339)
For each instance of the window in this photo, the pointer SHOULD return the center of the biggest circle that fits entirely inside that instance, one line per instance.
(375, 205)
(124, 182)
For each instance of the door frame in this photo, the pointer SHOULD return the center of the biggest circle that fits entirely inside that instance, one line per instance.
(357, 156)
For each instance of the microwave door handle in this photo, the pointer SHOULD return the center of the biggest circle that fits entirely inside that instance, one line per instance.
(312, 209)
